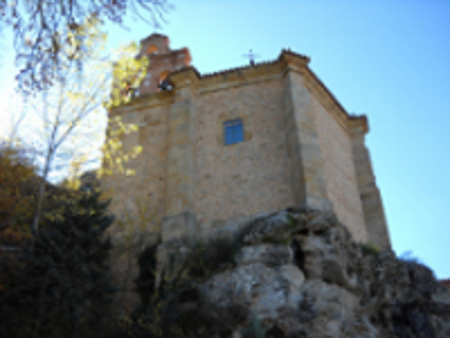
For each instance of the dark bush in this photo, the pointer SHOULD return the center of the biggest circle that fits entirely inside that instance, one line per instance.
(207, 257)
(172, 308)
(61, 284)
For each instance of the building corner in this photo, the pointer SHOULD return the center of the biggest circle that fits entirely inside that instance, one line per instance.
(307, 163)
(374, 215)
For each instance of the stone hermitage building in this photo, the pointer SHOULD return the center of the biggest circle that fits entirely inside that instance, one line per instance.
(221, 148)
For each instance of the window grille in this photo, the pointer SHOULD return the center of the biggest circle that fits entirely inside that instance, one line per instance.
(233, 131)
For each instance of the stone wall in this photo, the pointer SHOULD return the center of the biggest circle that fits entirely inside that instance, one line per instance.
(249, 177)
(303, 144)
(375, 219)
(138, 201)
(140, 198)
(341, 181)
(188, 184)
(297, 150)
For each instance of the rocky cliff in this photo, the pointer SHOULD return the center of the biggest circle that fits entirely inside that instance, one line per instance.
(299, 274)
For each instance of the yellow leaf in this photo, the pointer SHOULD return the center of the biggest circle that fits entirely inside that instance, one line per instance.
(130, 172)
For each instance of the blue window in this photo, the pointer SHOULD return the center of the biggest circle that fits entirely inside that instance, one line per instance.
(233, 131)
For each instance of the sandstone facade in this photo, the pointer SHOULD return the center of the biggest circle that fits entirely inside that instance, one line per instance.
(300, 148)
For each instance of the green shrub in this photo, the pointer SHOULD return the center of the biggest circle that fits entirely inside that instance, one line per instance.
(369, 249)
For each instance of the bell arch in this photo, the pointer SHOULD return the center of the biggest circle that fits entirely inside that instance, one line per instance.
(152, 49)
(162, 80)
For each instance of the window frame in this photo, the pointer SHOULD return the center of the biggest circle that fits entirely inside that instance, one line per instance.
(233, 131)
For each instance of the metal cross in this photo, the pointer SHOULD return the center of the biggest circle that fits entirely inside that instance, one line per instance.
(251, 56)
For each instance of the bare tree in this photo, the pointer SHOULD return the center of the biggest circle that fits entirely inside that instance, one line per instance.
(65, 122)
(48, 34)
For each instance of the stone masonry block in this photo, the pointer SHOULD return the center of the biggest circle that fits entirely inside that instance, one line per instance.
(183, 225)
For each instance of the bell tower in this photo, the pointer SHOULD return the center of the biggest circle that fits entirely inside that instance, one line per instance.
(162, 61)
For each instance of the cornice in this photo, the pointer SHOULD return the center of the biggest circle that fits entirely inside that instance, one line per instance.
(243, 76)
(288, 61)
(143, 102)
(251, 74)
(293, 61)
(323, 95)
(185, 77)
(299, 63)
(329, 101)
(359, 123)
(263, 71)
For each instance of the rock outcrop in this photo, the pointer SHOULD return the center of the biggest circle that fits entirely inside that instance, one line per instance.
(301, 275)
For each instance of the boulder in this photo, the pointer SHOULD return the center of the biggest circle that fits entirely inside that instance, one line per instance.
(300, 274)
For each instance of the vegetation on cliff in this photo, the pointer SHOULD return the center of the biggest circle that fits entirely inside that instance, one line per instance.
(296, 274)
(293, 273)
(56, 282)
(54, 258)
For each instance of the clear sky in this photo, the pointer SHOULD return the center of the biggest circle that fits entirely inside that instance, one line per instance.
(387, 59)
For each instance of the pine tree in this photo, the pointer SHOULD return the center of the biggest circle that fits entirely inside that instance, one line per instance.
(62, 284)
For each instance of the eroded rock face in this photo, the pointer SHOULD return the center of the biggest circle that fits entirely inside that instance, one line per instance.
(300, 273)
(269, 286)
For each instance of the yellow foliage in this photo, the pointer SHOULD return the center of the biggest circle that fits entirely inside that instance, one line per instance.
(130, 172)
(16, 194)
(128, 72)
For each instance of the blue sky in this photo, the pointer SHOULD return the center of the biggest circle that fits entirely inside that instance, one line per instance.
(387, 59)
